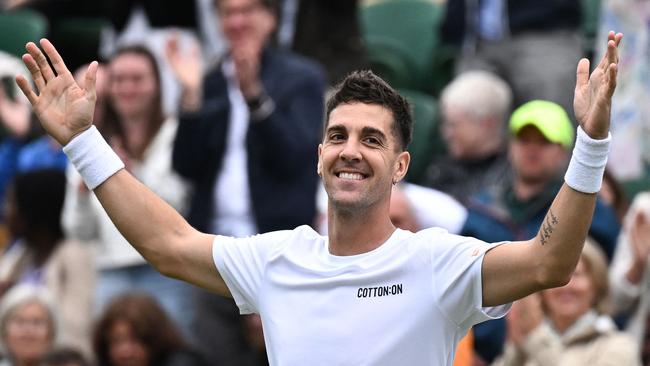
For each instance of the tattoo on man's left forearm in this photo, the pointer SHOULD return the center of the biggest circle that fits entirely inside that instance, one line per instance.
(547, 227)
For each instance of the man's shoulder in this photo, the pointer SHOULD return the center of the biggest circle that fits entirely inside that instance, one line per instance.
(282, 60)
(434, 238)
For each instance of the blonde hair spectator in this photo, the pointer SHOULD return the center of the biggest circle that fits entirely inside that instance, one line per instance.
(480, 93)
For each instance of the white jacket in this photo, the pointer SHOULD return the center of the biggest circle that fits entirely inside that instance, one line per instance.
(84, 218)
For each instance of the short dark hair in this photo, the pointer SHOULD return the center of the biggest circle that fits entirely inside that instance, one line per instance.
(149, 322)
(366, 87)
(271, 5)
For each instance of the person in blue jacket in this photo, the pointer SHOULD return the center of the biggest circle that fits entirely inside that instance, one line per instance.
(541, 137)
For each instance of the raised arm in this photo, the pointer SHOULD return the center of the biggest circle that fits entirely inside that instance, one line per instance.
(158, 232)
(515, 270)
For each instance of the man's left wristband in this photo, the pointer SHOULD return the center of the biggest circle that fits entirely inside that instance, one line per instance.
(93, 158)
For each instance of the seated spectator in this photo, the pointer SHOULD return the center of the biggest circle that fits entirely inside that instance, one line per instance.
(27, 326)
(15, 124)
(541, 136)
(630, 277)
(136, 127)
(474, 108)
(248, 129)
(532, 44)
(411, 206)
(40, 255)
(569, 325)
(64, 357)
(404, 215)
(613, 193)
(23, 150)
(135, 331)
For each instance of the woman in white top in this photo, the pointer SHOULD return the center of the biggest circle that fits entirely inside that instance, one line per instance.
(135, 125)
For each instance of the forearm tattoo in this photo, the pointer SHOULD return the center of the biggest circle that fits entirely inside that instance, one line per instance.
(547, 227)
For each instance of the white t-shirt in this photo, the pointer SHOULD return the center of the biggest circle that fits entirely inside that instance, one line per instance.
(408, 302)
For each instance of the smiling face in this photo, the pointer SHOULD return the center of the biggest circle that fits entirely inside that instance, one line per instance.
(360, 157)
(566, 304)
(133, 85)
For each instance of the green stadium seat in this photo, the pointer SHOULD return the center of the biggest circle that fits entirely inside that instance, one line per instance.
(78, 38)
(20, 27)
(427, 142)
(590, 24)
(412, 26)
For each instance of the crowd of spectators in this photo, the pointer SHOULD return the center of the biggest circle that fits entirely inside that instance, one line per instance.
(217, 106)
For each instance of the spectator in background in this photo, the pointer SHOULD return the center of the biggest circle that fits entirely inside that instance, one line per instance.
(136, 127)
(41, 256)
(306, 28)
(531, 44)
(568, 326)
(247, 136)
(9, 67)
(541, 136)
(475, 107)
(62, 356)
(613, 193)
(412, 206)
(27, 326)
(404, 216)
(135, 331)
(21, 152)
(629, 275)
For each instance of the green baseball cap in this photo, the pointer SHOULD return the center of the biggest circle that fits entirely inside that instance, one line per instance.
(548, 117)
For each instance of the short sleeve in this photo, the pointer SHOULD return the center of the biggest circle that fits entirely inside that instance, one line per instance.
(241, 262)
(457, 263)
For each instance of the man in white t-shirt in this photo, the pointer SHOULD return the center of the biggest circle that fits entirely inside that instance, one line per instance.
(369, 294)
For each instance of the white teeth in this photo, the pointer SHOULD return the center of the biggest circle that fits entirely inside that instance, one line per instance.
(353, 176)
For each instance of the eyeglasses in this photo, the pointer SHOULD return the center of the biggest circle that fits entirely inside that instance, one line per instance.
(23, 323)
(246, 10)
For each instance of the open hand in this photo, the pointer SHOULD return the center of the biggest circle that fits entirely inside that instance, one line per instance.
(247, 69)
(63, 107)
(593, 94)
(187, 67)
(640, 238)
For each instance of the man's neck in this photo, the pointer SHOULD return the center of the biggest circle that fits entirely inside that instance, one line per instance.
(526, 190)
(352, 233)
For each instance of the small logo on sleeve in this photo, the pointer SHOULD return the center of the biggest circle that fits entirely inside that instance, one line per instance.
(380, 291)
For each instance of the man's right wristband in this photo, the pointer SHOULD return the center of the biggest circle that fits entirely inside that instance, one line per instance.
(587, 165)
(93, 158)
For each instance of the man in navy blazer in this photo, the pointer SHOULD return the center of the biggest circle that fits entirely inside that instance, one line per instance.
(247, 138)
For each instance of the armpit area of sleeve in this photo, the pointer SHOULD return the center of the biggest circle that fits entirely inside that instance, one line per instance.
(489, 312)
(220, 257)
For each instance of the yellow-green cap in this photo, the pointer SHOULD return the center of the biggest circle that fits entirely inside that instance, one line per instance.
(549, 118)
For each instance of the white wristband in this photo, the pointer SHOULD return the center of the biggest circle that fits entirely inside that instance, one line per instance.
(585, 171)
(93, 158)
